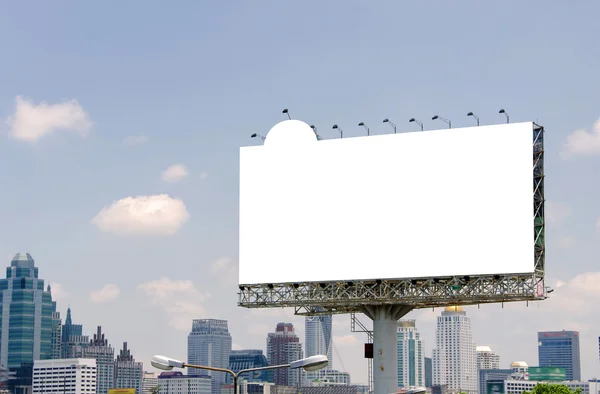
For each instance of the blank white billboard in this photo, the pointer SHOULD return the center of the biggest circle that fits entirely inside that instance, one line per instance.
(410, 205)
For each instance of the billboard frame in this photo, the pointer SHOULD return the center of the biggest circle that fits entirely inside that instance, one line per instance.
(337, 297)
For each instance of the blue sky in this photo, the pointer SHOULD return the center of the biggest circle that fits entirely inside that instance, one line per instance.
(197, 78)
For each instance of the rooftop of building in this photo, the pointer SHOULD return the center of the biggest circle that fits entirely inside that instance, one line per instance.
(23, 260)
(483, 349)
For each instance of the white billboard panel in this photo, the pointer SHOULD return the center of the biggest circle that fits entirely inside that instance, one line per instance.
(410, 205)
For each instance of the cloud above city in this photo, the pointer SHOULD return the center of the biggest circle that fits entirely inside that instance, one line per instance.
(108, 293)
(32, 122)
(179, 300)
(582, 142)
(154, 215)
(174, 173)
(134, 140)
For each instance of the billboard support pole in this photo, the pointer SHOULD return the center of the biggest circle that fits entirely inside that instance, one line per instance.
(385, 345)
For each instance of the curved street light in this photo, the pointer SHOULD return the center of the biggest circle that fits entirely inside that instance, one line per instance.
(314, 128)
(386, 120)
(258, 135)
(336, 127)
(502, 111)
(309, 364)
(365, 126)
(475, 116)
(285, 111)
(417, 122)
(443, 120)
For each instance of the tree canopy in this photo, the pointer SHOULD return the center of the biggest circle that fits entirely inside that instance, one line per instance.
(550, 388)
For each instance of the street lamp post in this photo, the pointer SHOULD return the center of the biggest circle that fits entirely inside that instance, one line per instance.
(386, 120)
(313, 363)
(443, 120)
(502, 111)
(366, 127)
(336, 127)
(314, 128)
(258, 135)
(285, 111)
(475, 116)
(417, 122)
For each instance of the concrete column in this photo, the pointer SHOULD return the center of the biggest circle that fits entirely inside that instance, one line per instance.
(385, 345)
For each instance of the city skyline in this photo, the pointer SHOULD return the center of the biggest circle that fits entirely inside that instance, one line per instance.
(98, 117)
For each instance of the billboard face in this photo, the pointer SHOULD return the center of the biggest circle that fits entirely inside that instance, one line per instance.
(411, 205)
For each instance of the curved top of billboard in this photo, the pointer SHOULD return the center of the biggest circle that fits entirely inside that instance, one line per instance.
(410, 205)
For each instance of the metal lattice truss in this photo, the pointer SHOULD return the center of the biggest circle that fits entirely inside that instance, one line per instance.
(310, 298)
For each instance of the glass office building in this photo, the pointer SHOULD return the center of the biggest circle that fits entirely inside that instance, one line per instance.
(560, 349)
(26, 318)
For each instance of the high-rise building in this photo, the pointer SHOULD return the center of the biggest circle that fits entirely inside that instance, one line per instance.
(428, 372)
(454, 359)
(68, 376)
(69, 330)
(176, 382)
(209, 343)
(104, 354)
(411, 357)
(283, 347)
(26, 319)
(149, 382)
(56, 332)
(250, 358)
(128, 372)
(560, 349)
(486, 359)
(318, 340)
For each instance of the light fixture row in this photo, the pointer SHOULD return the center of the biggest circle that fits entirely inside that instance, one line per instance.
(386, 120)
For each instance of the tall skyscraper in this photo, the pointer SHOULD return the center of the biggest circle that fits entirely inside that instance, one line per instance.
(26, 319)
(69, 330)
(318, 340)
(486, 359)
(104, 354)
(454, 359)
(56, 331)
(209, 343)
(128, 372)
(428, 372)
(560, 349)
(283, 347)
(411, 357)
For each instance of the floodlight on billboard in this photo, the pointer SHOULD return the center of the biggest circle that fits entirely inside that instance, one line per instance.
(409, 205)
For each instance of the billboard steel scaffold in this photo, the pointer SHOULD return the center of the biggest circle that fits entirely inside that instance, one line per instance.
(426, 219)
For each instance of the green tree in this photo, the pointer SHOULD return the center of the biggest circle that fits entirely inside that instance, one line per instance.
(551, 388)
(154, 390)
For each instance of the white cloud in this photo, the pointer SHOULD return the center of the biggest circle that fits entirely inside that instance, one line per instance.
(566, 242)
(31, 121)
(556, 212)
(179, 299)
(226, 268)
(143, 215)
(108, 293)
(174, 173)
(58, 292)
(345, 340)
(583, 143)
(133, 140)
(203, 175)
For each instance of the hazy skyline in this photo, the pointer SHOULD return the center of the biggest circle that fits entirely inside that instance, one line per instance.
(146, 108)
